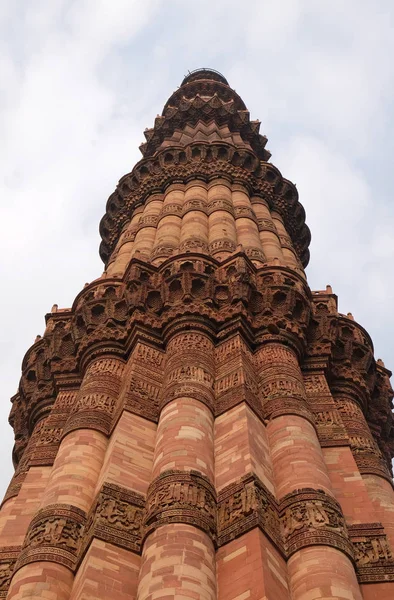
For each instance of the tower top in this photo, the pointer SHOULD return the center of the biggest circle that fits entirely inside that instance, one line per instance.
(204, 73)
(204, 131)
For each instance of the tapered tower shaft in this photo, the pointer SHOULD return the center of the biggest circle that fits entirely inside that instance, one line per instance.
(199, 424)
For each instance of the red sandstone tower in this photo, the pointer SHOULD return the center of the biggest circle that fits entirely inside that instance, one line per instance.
(200, 425)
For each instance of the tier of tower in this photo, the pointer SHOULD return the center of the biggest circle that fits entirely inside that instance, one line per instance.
(216, 219)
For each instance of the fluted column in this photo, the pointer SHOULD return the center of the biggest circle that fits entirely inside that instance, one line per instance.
(20, 505)
(178, 556)
(123, 251)
(289, 254)
(194, 231)
(53, 540)
(222, 231)
(346, 480)
(145, 236)
(113, 534)
(169, 224)
(246, 225)
(24, 493)
(368, 458)
(314, 528)
(243, 470)
(270, 241)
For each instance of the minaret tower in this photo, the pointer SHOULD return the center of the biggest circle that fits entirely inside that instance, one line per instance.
(199, 424)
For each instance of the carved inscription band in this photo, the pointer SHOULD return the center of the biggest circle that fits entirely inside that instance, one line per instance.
(117, 517)
(372, 553)
(181, 497)
(244, 505)
(61, 533)
(8, 557)
(311, 517)
(54, 534)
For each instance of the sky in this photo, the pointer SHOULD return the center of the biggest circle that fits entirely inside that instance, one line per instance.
(80, 80)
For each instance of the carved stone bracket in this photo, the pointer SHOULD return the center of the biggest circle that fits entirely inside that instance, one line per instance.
(116, 517)
(311, 517)
(55, 535)
(8, 556)
(181, 497)
(372, 553)
(245, 505)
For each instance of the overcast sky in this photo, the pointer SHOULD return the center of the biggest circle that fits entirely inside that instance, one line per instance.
(80, 81)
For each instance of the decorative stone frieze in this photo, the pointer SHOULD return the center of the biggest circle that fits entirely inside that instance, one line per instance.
(8, 557)
(236, 380)
(220, 204)
(144, 381)
(372, 553)
(365, 449)
(221, 245)
(116, 517)
(189, 369)
(328, 421)
(181, 497)
(312, 517)
(281, 384)
(119, 516)
(55, 535)
(244, 505)
(98, 396)
(47, 444)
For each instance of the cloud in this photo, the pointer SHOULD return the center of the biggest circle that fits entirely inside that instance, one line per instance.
(80, 81)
